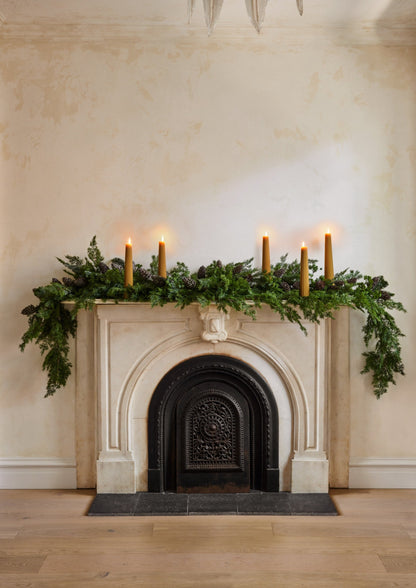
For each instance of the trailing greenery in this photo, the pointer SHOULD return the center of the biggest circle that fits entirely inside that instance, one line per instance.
(239, 286)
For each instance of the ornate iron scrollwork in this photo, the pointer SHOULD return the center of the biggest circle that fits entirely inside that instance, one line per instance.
(213, 430)
(205, 451)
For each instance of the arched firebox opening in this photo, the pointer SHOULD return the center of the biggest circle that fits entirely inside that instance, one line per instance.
(213, 427)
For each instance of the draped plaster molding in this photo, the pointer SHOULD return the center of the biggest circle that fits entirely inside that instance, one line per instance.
(101, 32)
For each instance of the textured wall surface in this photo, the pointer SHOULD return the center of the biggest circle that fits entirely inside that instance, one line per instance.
(211, 142)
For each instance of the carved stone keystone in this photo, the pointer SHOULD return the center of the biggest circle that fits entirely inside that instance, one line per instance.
(214, 325)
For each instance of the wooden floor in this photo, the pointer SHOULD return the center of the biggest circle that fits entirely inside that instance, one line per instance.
(46, 540)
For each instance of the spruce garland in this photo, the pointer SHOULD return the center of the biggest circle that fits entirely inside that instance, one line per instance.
(239, 286)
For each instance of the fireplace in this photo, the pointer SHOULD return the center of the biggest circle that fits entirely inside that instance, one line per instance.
(213, 427)
(198, 400)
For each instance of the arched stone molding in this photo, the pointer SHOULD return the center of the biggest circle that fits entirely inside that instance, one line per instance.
(181, 348)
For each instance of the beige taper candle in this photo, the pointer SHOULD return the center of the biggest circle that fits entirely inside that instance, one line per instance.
(128, 264)
(266, 254)
(304, 271)
(162, 258)
(329, 264)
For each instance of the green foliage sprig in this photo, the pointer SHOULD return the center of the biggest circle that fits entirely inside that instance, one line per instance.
(239, 286)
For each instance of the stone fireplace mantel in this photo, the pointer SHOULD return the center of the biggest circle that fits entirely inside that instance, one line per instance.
(124, 350)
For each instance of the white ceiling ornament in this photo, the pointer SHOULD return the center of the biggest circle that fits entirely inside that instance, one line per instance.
(256, 10)
(212, 9)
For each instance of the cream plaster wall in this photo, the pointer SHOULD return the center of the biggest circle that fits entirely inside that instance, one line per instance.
(210, 141)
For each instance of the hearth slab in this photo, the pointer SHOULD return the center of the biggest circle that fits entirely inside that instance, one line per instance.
(311, 504)
(266, 503)
(253, 503)
(114, 504)
(151, 503)
(201, 504)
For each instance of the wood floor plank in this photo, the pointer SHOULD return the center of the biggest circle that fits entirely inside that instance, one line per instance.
(78, 547)
(239, 543)
(194, 562)
(295, 545)
(110, 527)
(47, 541)
(256, 579)
(337, 529)
(400, 563)
(8, 533)
(410, 530)
(20, 563)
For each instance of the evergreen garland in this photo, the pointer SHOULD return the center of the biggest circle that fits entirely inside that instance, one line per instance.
(239, 286)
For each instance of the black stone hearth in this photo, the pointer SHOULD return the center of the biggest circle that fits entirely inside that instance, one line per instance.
(252, 503)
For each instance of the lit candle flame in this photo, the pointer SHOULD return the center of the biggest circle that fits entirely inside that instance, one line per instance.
(303, 243)
(328, 232)
(266, 234)
(162, 239)
(129, 241)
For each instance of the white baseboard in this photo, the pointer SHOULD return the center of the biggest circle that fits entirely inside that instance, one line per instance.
(60, 473)
(382, 473)
(21, 473)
